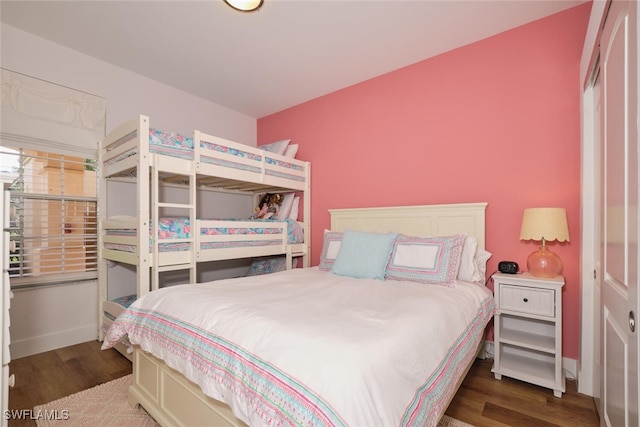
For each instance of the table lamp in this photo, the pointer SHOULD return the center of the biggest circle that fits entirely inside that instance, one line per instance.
(544, 224)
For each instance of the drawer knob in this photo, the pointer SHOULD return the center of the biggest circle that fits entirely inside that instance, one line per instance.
(525, 299)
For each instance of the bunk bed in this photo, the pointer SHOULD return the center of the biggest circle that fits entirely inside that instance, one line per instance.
(153, 243)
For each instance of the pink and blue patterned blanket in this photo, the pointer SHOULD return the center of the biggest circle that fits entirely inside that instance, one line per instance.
(308, 347)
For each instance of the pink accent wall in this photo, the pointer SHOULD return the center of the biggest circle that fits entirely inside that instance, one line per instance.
(495, 121)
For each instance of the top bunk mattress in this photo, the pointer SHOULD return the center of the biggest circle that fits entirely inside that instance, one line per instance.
(255, 161)
(160, 142)
(177, 145)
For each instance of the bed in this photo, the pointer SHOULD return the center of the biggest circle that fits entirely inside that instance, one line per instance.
(201, 161)
(196, 163)
(316, 346)
(221, 162)
(214, 239)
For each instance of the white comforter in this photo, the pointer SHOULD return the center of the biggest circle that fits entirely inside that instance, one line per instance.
(309, 347)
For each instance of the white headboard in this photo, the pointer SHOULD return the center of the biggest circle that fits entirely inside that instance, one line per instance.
(420, 221)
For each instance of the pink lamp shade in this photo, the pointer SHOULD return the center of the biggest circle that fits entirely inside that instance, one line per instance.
(544, 224)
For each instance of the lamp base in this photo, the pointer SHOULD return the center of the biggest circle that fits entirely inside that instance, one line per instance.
(544, 263)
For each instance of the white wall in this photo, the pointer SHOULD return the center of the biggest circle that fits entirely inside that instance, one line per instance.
(128, 94)
(44, 319)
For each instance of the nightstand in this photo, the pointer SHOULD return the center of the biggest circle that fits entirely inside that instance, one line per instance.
(528, 329)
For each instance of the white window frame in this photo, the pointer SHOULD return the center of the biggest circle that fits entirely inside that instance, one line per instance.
(68, 273)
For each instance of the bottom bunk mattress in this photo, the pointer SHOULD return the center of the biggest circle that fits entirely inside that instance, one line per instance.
(111, 309)
(308, 347)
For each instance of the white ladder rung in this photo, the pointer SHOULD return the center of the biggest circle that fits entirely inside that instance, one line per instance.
(155, 216)
(175, 267)
(175, 205)
(174, 240)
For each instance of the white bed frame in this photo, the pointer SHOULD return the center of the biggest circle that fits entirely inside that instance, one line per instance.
(172, 400)
(263, 172)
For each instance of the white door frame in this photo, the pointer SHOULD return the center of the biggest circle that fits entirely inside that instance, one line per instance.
(588, 369)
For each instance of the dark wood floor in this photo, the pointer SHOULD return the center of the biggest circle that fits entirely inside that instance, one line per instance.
(481, 400)
(49, 376)
(486, 402)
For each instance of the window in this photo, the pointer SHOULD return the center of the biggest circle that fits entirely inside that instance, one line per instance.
(53, 221)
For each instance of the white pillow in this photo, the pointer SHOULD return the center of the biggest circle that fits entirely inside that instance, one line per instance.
(468, 269)
(293, 215)
(285, 208)
(292, 150)
(473, 262)
(482, 257)
(278, 147)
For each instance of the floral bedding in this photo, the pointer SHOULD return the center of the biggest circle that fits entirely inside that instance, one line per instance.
(180, 228)
(294, 229)
(168, 228)
(161, 142)
(177, 145)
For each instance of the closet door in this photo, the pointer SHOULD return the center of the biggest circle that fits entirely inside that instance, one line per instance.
(619, 214)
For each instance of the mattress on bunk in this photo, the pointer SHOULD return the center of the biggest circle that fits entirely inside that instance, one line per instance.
(294, 229)
(111, 311)
(284, 165)
(123, 302)
(257, 158)
(168, 228)
(160, 142)
(177, 145)
(180, 228)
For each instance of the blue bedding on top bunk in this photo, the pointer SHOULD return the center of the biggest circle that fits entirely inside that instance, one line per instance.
(177, 145)
(170, 143)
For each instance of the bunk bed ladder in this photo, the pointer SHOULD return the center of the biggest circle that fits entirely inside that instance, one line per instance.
(102, 262)
(190, 264)
(142, 200)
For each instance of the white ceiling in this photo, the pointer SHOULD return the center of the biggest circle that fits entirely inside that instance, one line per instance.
(288, 52)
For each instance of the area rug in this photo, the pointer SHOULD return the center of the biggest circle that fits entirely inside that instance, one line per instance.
(106, 405)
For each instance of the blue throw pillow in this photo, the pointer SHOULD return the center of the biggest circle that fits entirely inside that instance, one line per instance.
(363, 255)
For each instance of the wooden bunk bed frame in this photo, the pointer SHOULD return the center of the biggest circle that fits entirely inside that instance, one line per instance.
(214, 163)
(172, 400)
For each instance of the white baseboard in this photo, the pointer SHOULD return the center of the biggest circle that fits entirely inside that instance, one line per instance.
(59, 339)
(488, 349)
(570, 366)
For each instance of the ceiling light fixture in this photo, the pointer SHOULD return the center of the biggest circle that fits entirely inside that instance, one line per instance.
(245, 5)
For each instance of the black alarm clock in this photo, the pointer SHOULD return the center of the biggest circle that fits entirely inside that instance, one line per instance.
(509, 267)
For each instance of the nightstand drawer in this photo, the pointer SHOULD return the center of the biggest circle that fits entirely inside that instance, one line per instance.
(527, 300)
